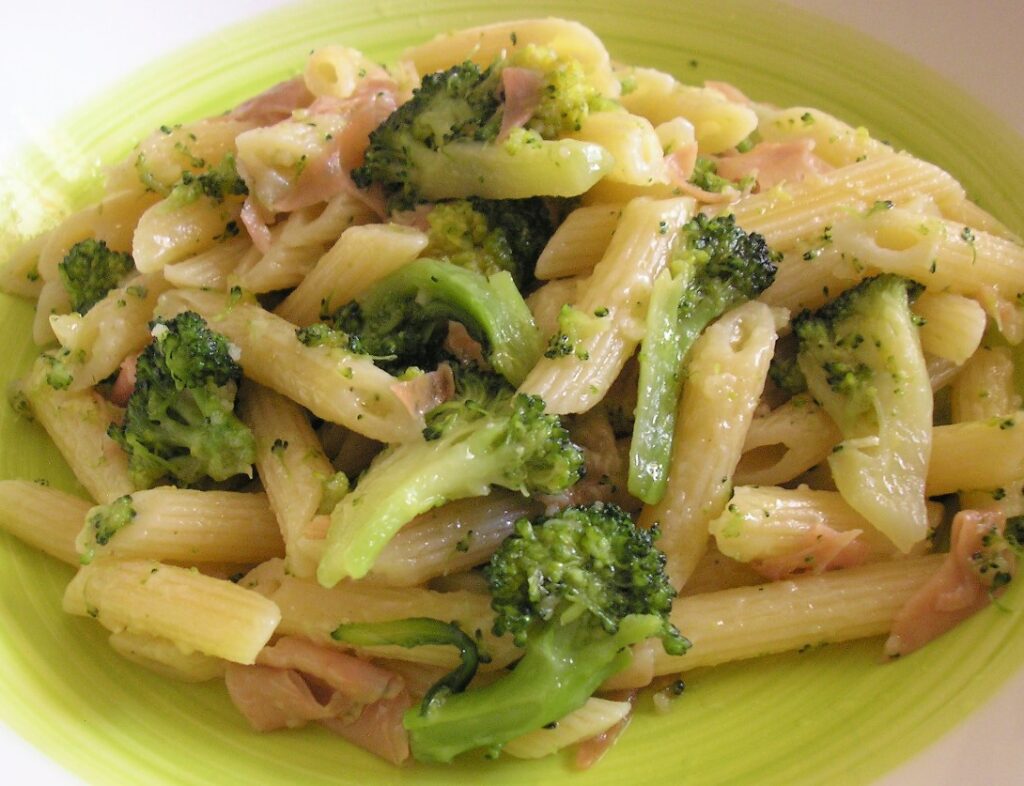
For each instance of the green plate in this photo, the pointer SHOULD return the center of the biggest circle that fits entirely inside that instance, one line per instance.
(831, 715)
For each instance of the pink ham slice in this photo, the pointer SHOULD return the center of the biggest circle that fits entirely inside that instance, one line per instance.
(522, 88)
(123, 386)
(357, 679)
(272, 699)
(826, 549)
(274, 104)
(978, 564)
(378, 729)
(296, 682)
(421, 394)
(773, 163)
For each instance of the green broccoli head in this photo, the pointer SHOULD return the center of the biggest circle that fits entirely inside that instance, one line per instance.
(585, 562)
(576, 590)
(90, 270)
(217, 183)
(862, 359)
(402, 320)
(491, 235)
(566, 95)
(103, 522)
(180, 422)
(462, 103)
(730, 265)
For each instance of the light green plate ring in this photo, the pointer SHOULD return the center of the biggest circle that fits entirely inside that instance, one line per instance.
(831, 715)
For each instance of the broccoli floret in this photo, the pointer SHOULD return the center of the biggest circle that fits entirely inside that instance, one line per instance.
(403, 320)
(180, 422)
(217, 184)
(442, 144)
(90, 270)
(861, 357)
(487, 435)
(575, 591)
(715, 267)
(103, 522)
(574, 329)
(489, 236)
(705, 176)
(566, 96)
(786, 375)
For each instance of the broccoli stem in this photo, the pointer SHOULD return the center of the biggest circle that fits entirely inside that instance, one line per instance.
(417, 632)
(403, 484)
(671, 332)
(564, 664)
(565, 168)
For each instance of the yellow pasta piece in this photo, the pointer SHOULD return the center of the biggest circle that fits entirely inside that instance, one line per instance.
(169, 232)
(291, 465)
(718, 122)
(114, 328)
(212, 268)
(187, 526)
(579, 242)
(42, 517)
(165, 658)
(977, 454)
(835, 142)
(196, 612)
(484, 44)
(748, 622)
(632, 142)
(725, 377)
(619, 288)
(785, 443)
(333, 384)
(952, 325)
(313, 612)
(362, 256)
(593, 718)
(77, 422)
(300, 240)
(800, 212)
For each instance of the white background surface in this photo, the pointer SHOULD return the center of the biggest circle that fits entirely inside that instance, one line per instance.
(975, 45)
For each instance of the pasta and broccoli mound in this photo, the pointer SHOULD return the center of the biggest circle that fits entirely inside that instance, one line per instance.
(451, 402)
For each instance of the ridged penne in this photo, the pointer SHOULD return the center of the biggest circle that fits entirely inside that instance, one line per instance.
(749, 622)
(619, 288)
(77, 422)
(718, 122)
(291, 465)
(114, 328)
(835, 142)
(362, 256)
(212, 268)
(726, 374)
(484, 44)
(187, 526)
(312, 612)
(800, 212)
(300, 240)
(333, 384)
(976, 454)
(199, 613)
(42, 517)
(631, 141)
(785, 443)
(166, 658)
(952, 325)
(579, 242)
